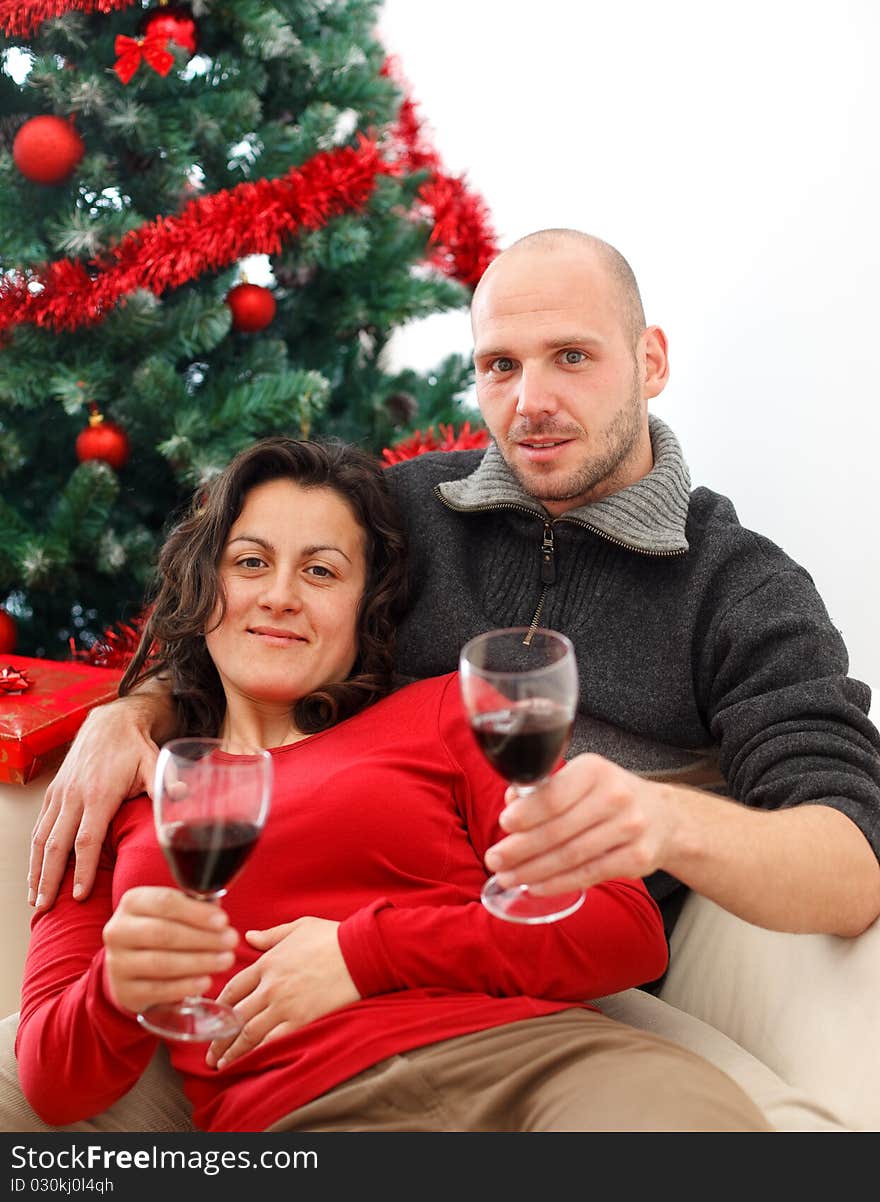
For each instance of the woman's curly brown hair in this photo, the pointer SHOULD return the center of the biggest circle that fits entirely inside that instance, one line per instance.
(188, 587)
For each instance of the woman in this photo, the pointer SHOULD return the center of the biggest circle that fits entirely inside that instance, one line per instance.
(376, 992)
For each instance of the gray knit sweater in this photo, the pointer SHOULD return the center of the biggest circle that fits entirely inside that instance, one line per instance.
(706, 655)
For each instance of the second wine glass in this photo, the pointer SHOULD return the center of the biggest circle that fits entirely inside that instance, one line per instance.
(209, 808)
(520, 689)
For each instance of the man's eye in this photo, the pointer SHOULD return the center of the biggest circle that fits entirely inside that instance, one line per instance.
(502, 364)
(573, 357)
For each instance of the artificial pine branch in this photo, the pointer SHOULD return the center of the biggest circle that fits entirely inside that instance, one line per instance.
(83, 510)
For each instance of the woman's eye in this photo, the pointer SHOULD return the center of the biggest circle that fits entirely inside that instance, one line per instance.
(573, 357)
(319, 570)
(251, 561)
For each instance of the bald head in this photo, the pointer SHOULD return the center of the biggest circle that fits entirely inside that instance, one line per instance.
(565, 366)
(574, 244)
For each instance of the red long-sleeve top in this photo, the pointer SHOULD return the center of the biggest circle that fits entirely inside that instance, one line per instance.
(380, 823)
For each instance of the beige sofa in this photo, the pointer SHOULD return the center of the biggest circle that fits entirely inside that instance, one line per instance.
(792, 1018)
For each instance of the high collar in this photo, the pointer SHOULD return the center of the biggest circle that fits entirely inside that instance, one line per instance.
(648, 516)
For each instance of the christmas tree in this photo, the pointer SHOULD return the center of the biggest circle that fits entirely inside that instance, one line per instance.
(148, 153)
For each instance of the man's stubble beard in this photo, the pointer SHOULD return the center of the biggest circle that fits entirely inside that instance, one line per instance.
(603, 470)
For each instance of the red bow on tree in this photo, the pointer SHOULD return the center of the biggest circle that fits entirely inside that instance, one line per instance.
(132, 51)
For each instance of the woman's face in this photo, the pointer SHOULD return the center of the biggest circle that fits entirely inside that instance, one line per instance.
(293, 572)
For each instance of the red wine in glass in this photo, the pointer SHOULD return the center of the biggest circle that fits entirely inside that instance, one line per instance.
(520, 688)
(209, 807)
(205, 856)
(526, 741)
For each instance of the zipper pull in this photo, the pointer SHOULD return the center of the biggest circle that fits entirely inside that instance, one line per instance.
(548, 561)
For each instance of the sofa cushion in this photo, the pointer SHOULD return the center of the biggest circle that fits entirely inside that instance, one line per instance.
(804, 1005)
(157, 1102)
(785, 1107)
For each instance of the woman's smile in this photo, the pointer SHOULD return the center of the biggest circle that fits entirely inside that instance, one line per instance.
(275, 636)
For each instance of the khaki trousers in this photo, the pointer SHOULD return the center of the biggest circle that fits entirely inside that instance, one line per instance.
(571, 1071)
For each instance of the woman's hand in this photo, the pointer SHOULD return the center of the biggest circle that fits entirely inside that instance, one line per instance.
(162, 946)
(300, 976)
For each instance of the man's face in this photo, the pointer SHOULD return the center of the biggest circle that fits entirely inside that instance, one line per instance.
(561, 385)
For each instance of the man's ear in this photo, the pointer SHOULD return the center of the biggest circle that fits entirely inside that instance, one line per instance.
(655, 361)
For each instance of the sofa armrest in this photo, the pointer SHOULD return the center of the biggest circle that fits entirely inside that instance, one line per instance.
(804, 1005)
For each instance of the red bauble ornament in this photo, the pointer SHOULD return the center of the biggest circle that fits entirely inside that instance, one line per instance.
(47, 149)
(8, 633)
(103, 440)
(175, 23)
(252, 307)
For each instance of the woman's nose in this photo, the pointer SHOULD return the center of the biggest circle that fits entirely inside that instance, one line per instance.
(281, 593)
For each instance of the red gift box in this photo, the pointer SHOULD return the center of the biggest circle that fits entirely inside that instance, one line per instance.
(38, 725)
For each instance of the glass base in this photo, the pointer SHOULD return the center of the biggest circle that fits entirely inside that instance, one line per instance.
(194, 1020)
(518, 904)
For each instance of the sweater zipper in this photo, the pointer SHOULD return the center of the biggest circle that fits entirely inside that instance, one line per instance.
(548, 547)
(548, 577)
(617, 542)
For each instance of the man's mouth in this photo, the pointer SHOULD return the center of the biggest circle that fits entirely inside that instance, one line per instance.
(541, 444)
(541, 450)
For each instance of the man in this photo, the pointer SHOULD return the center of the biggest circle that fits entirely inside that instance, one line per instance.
(707, 658)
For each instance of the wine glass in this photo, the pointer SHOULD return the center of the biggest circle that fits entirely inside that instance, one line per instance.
(520, 690)
(209, 807)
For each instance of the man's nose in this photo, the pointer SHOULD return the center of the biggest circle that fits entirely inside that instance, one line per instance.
(534, 396)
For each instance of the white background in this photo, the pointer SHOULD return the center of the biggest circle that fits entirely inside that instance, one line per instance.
(731, 154)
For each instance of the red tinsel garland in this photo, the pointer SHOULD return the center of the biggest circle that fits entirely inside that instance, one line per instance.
(211, 233)
(417, 444)
(463, 239)
(19, 19)
(115, 647)
(409, 134)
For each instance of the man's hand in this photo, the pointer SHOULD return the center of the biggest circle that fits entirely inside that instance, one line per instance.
(591, 821)
(112, 757)
(300, 976)
(805, 868)
(162, 946)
